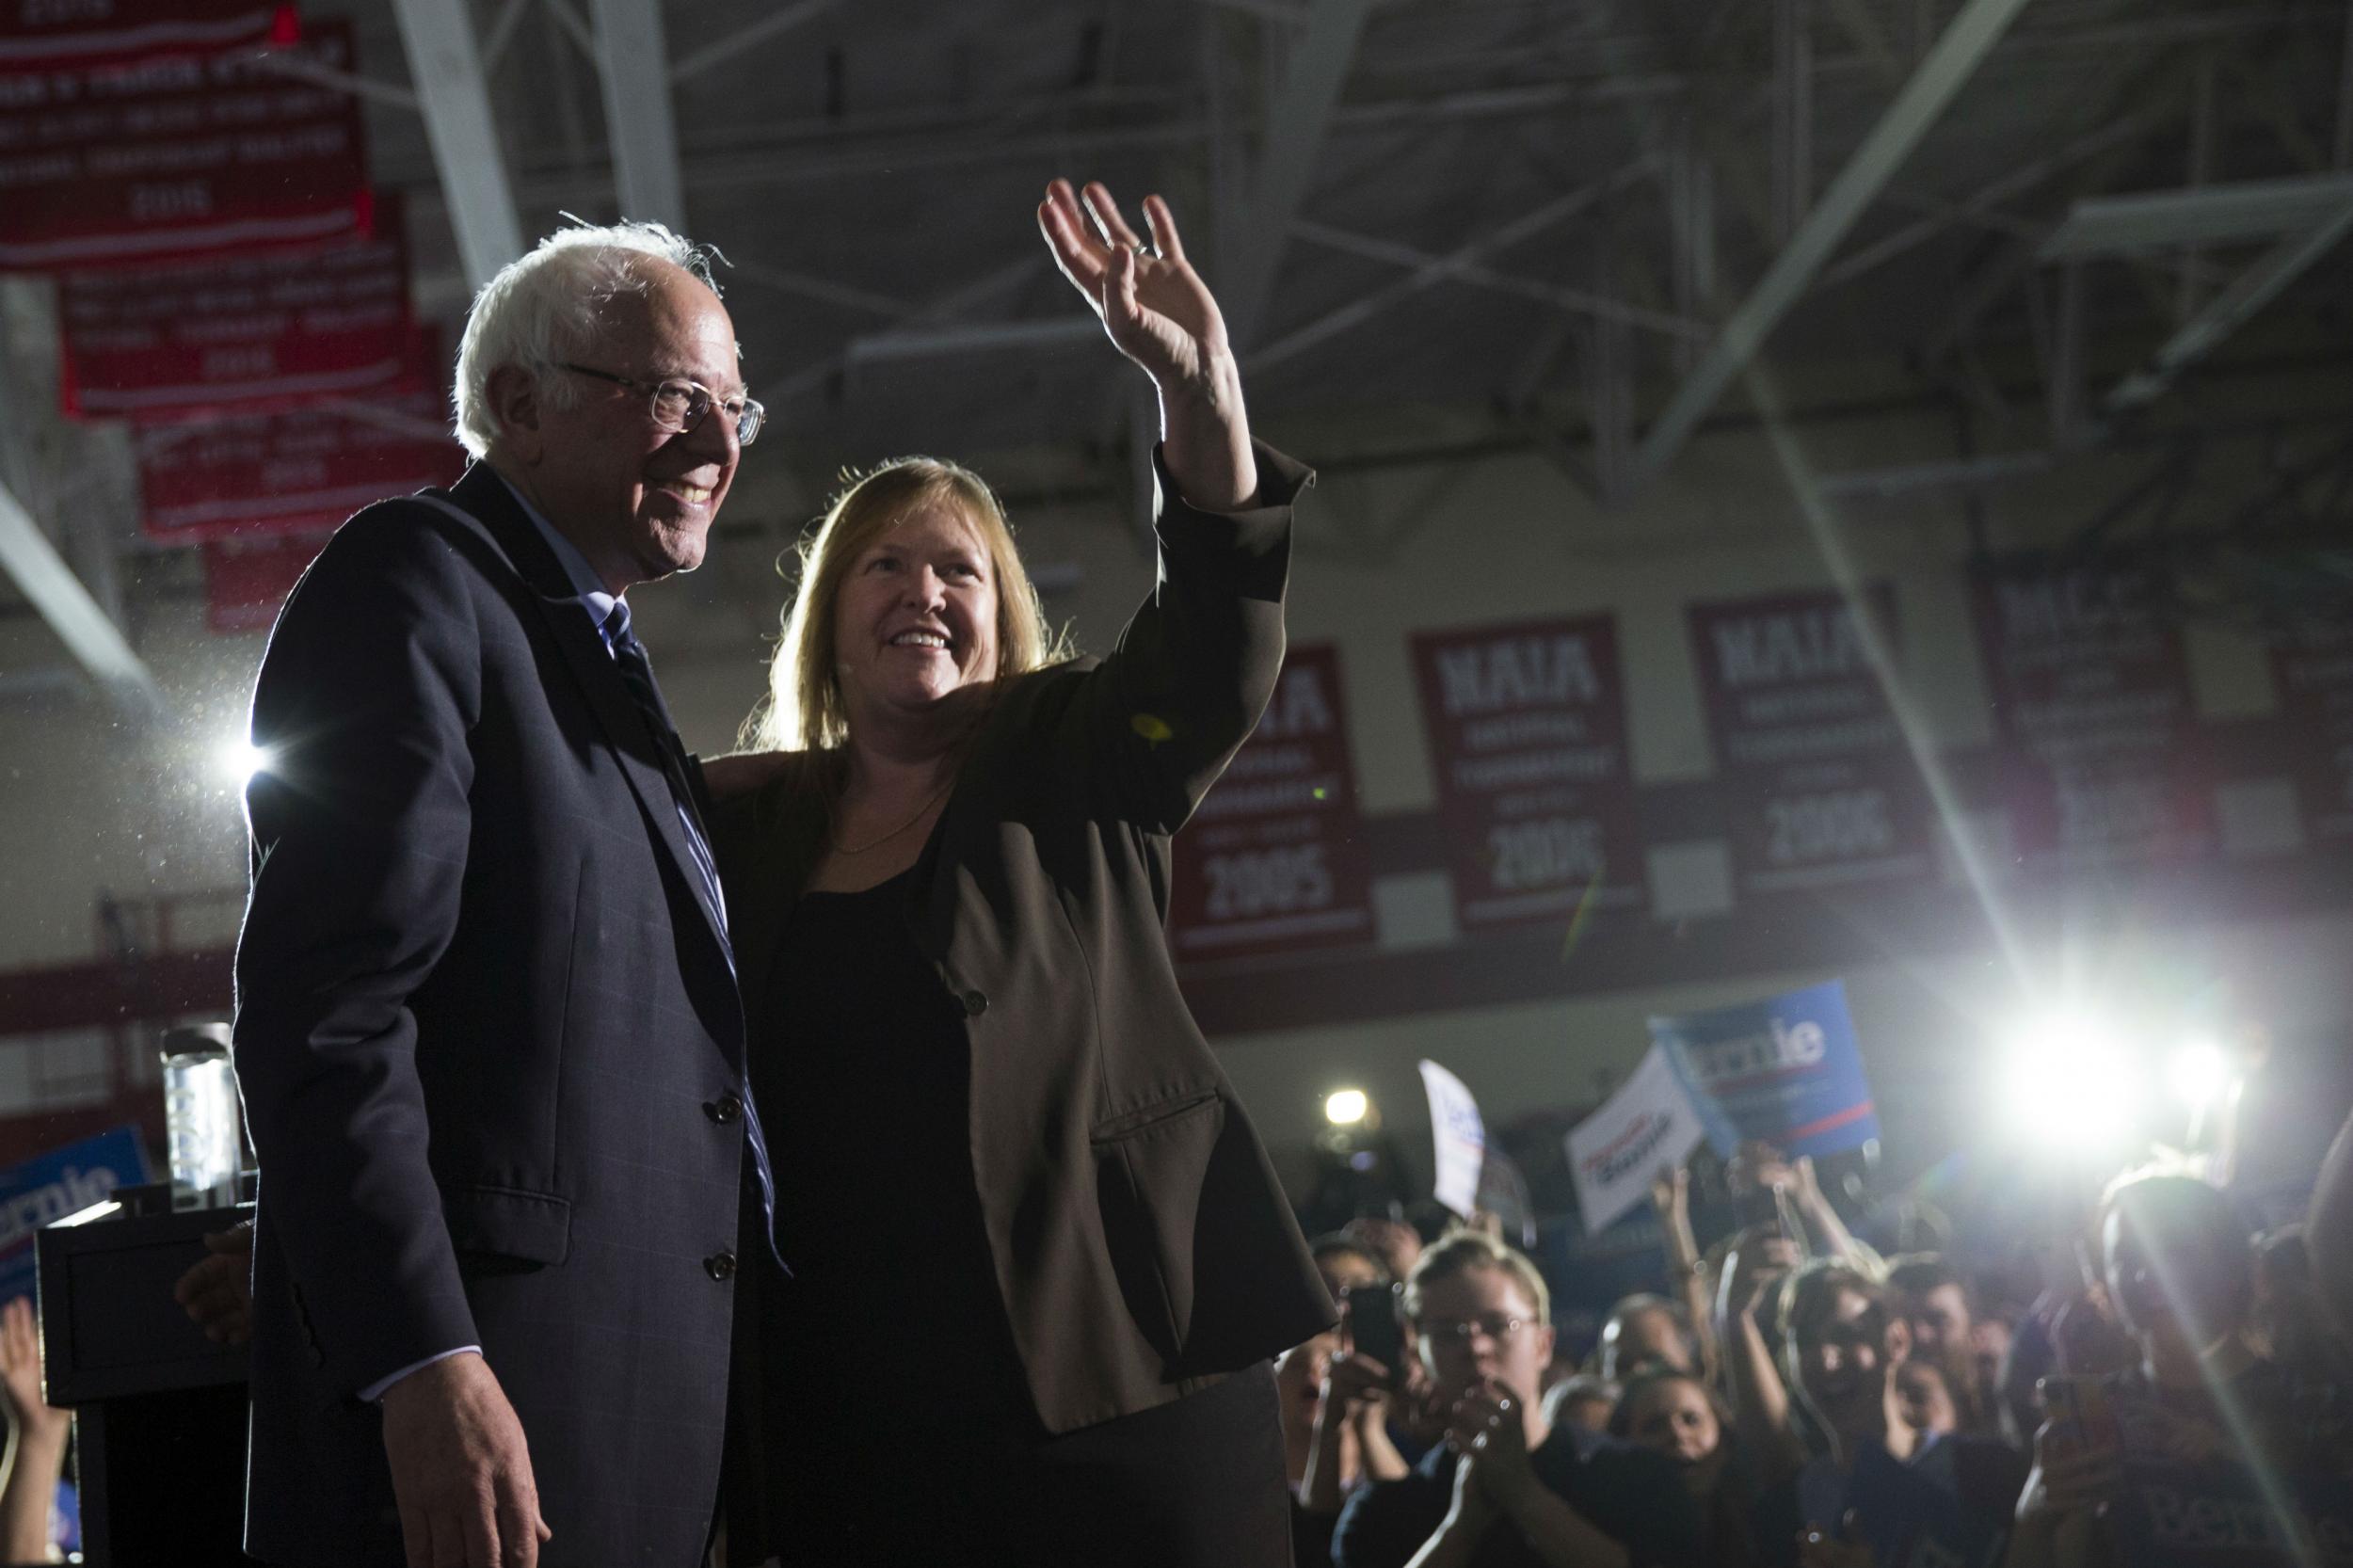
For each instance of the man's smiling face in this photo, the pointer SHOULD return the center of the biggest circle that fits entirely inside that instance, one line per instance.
(639, 499)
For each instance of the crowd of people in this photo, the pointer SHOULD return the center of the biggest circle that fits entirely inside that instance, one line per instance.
(1789, 1395)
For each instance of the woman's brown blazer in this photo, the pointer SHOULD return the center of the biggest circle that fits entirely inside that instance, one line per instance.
(1141, 1242)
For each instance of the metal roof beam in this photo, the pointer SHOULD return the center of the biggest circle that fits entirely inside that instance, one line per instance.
(2205, 215)
(1299, 112)
(634, 60)
(445, 65)
(1964, 46)
(42, 576)
(2224, 313)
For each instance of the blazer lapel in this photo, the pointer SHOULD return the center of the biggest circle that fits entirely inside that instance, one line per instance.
(486, 497)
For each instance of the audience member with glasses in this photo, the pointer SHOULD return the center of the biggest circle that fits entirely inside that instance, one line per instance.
(1507, 1488)
(949, 881)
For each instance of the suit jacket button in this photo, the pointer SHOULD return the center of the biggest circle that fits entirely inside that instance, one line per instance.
(974, 1004)
(726, 1108)
(720, 1265)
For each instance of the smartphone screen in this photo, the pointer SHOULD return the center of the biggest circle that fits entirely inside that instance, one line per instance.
(1374, 1329)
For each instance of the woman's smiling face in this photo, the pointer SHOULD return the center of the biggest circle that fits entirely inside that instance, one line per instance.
(916, 615)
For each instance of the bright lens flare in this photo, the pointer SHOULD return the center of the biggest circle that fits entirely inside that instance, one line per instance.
(2198, 1074)
(1346, 1107)
(2071, 1084)
(240, 760)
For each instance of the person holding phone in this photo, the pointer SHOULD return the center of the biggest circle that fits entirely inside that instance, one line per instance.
(2178, 1270)
(1362, 1386)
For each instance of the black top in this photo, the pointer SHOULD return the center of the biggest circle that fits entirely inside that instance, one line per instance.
(1633, 1496)
(893, 1319)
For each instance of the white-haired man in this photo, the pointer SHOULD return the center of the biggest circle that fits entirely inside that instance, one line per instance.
(488, 1027)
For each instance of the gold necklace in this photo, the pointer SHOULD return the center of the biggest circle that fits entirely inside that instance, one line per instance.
(921, 812)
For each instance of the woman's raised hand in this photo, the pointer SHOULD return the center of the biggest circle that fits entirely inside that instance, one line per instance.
(1163, 317)
(1151, 301)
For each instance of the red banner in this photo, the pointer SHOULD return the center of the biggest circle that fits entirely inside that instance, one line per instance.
(1821, 789)
(178, 155)
(291, 473)
(1534, 793)
(2313, 665)
(2101, 760)
(61, 35)
(246, 580)
(246, 336)
(1274, 859)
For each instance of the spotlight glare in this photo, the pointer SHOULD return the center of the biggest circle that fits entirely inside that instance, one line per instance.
(240, 760)
(2071, 1084)
(1346, 1107)
(2198, 1074)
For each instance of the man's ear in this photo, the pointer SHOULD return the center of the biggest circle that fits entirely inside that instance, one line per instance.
(515, 408)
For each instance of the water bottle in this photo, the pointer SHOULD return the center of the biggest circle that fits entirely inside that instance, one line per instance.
(201, 1117)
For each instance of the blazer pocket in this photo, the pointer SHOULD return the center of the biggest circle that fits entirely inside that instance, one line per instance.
(1149, 1168)
(509, 1223)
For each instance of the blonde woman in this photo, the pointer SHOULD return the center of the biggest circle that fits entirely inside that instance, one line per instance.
(1040, 1261)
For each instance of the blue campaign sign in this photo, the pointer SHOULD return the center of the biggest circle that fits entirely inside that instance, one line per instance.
(51, 1186)
(1784, 1070)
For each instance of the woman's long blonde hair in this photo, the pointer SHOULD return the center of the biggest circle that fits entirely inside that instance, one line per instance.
(803, 709)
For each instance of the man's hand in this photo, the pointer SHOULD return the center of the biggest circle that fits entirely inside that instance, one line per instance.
(1488, 1426)
(1470, 1512)
(1759, 1260)
(1357, 1386)
(217, 1292)
(461, 1472)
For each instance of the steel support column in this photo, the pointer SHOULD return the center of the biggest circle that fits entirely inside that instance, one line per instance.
(445, 65)
(633, 60)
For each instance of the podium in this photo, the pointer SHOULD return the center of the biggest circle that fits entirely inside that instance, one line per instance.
(159, 1410)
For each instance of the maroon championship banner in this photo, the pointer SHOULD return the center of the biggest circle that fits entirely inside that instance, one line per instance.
(2101, 760)
(59, 34)
(2313, 666)
(247, 336)
(1274, 859)
(177, 156)
(246, 580)
(1534, 793)
(291, 473)
(1821, 789)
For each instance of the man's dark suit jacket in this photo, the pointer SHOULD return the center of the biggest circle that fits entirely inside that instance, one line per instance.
(1142, 1240)
(490, 1045)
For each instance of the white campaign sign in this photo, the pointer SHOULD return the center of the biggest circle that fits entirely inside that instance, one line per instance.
(1461, 1138)
(1646, 1126)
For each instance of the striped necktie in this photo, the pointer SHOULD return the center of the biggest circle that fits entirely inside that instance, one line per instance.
(636, 671)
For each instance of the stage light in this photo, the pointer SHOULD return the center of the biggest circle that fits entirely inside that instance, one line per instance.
(240, 760)
(1346, 1107)
(2198, 1074)
(2071, 1083)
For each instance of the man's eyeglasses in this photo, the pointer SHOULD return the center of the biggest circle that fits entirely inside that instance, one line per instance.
(678, 404)
(1442, 1331)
